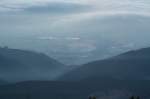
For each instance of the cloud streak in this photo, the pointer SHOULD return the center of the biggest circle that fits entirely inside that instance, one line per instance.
(56, 7)
(43, 7)
(75, 5)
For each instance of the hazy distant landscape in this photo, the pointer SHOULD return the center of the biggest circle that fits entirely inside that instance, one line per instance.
(74, 49)
(26, 74)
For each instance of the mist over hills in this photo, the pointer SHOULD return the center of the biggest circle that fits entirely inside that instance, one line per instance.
(88, 45)
(21, 65)
(81, 40)
(39, 76)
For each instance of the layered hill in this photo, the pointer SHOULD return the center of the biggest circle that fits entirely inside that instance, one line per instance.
(117, 77)
(20, 65)
(132, 65)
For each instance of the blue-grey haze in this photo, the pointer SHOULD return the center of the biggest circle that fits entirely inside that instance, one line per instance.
(75, 31)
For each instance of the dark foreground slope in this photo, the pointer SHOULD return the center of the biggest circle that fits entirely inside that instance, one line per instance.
(20, 65)
(79, 90)
(133, 65)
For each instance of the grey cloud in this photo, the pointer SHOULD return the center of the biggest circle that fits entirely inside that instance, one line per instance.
(57, 8)
(120, 28)
(50, 7)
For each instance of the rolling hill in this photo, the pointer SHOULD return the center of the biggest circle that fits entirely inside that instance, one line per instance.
(114, 78)
(21, 65)
(132, 65)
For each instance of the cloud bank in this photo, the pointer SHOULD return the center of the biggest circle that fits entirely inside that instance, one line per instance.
(104, 26)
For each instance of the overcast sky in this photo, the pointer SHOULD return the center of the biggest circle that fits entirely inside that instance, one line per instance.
(136, 6)
(65, 17)
(85, 26)
(55, 16)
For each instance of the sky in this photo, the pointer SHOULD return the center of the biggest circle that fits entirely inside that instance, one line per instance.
(25, 15)
(75, 26)
(98, 6)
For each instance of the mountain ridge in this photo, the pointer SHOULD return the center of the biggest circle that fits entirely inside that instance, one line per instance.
(130, 65)
(20, 65)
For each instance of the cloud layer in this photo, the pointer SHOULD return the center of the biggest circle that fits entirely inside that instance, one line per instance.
(102, 26)
(39, 6)
(101, 5)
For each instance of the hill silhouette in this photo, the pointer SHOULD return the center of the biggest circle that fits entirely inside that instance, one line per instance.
(132, 65)
(21, 65)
